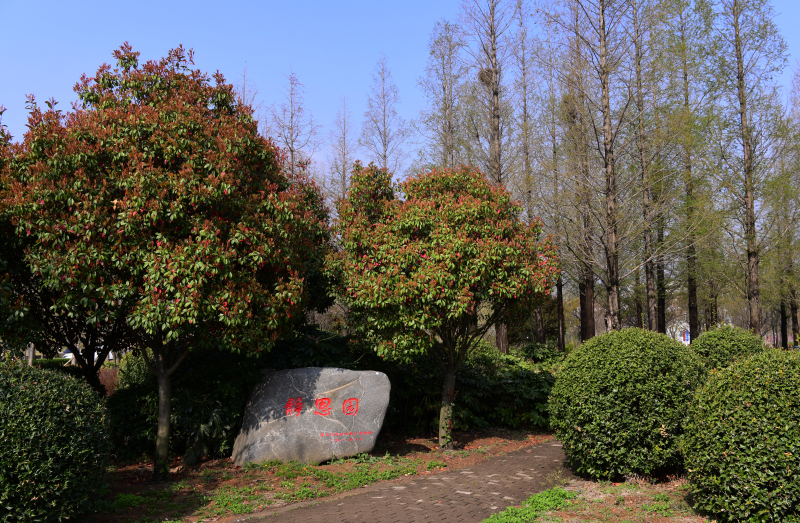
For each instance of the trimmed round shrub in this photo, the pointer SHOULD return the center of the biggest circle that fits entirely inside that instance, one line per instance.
(619, 402)
(54, 449)
(721, 346)
(742, 442)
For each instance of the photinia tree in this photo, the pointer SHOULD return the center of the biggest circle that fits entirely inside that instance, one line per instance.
(430, 270)
(156, 200)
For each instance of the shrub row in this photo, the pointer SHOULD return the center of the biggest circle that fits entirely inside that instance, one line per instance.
(634, 402)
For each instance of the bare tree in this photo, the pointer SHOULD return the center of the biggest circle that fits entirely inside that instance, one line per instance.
(247, 94)
(752, 52)
(486, 23)
(441, 123)
(384, 131)
(343, 150)
(294, 128)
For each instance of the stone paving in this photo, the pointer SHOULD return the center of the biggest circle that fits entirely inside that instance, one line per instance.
(461, 496)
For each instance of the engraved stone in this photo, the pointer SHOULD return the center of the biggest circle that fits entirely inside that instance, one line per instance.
(312, 415)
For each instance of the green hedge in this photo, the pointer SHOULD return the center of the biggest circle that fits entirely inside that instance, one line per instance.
(742, 442)
(56, 363)
(721, 346)
(619, 403)
(54, 447)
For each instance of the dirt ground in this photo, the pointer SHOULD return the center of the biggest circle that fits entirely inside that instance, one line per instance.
(634, 500)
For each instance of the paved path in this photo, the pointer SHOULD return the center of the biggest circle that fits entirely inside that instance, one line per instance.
(460, 496)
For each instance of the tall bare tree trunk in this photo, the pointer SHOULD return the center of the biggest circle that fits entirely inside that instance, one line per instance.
(753, 294)
(586, 290)
(611, 240)
(644, 166)
(560, 312)
(491, 79)
(661, 283)
(638, 300)
(784, 324)
(539, 324)
(688, 177)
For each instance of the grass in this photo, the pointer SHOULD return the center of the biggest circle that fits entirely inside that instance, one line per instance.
(533, 507)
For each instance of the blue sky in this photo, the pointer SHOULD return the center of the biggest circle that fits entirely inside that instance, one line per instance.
(332, 46)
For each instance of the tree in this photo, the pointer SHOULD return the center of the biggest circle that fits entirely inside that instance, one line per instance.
(431, 272)
(294, 128)
(752, 52)
(384, 131)
(158, 193)
(344, 147)
(485, 24)
(441, 123)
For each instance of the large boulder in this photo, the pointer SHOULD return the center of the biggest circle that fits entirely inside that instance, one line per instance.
(312, 414)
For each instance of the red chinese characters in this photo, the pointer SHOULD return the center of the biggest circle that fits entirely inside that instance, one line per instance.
(350, 407)
(294, 406)
(323, 406)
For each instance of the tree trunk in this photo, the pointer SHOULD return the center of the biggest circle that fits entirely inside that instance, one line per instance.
(495, 151)
(784, 326)
(539, 325)
(586, 288)
(661, 284)
(641, 143)
(501, 337)
(30, 354)
(638, 300)
(560, 312)
(691, 290)
(161, 458)
(611, 240)
(793, 313)
(691, 251)
(753, 294)
(166, 361)
(446, 412)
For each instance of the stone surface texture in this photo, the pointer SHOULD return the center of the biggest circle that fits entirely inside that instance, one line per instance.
(311, 415)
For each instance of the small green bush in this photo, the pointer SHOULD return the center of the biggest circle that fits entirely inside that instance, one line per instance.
(742, 442)
(539, 352)
(619, 402)
(721, 346)
(54, 447)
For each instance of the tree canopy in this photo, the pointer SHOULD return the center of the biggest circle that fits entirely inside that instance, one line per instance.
(430, 266)
(157, 201)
